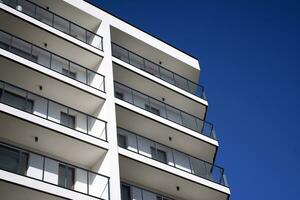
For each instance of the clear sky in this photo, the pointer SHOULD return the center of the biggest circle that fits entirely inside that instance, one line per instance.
(250, 67)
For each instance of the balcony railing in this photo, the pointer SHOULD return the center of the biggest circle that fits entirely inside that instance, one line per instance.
(131, 192)
(52, 111)
(158, 71)
(46, 16)
(52, 171)
(164, 110)
(51, 61)
(170, 156)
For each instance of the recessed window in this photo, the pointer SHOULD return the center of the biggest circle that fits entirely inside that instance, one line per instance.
(152, 109)
(66, 176)
(122, 141)
(159, 155)
(119, 95)
(13, 160)
(69, 73)
(125, 192)
(67, 120)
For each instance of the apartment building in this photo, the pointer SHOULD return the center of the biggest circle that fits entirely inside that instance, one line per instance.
(92, 107)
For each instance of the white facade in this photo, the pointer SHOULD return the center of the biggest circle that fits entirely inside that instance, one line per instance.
(92, 107)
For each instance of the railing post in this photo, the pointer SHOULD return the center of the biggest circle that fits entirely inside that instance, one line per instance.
(137, 144)
(128, 57)
(3, 89)
(87, 182)
(166, 111)
(86, 76)
(105, 131)
(87, 124)
(51, 57)
(43, 172)
(132, 97)
(172, 150)
(190, 163)
(108, 181)
(47, 114)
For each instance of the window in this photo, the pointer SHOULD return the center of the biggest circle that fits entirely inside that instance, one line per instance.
(159, 155)
(66, 176)
(122, 141)
(152, 109)
(67, 120)
(125, 192)
(17, 101)
(13, 160)
(69, 73)
(119, 95)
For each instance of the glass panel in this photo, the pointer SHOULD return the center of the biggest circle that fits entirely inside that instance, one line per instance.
(78, 73)
(122, 141)
(70, 173)
(15, 97)
(94, 40)
(125, 91)
(44, 16)
(181, 82)
(120, 53)
(173, 114)
(125, 192)
(189, 121)
(12, 3)
(67, 120)
(23, 164)
(9, 159)
(151, 68)
(5, 40)
(22, 49)
(59, 63)
(78, 32)
(96, 128)
(27, 7)
(61, 24)
(140, 100)
(157, 108)
(41, 56)
(136, 60)
(95, 80)
(166, 75)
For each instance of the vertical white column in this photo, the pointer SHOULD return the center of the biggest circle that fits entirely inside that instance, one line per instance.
(110, 164)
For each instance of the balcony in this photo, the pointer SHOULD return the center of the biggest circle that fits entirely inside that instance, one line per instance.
(169, 156)
(60, 23)
(46, 174)
(51, 61)
(52, 111)
(131, 192)
(158, 71)
(163, 110)
(49, 126)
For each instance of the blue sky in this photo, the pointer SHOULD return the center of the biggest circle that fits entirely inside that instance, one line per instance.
(250, 66)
